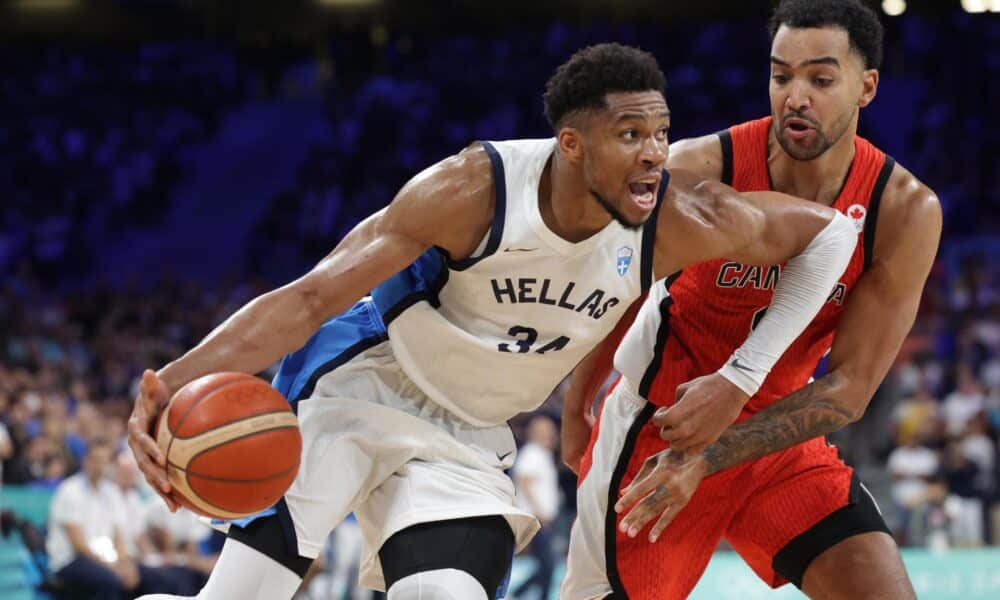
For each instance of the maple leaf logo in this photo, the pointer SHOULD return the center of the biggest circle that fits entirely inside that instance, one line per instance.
(857, 213)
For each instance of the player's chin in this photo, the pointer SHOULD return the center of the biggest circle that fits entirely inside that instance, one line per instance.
(638, 207)
(802, 149)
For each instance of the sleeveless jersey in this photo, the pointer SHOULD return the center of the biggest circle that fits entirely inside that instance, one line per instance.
(491, 336)
(691, 323)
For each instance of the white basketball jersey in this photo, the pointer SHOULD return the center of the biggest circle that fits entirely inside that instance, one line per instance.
(491, 336)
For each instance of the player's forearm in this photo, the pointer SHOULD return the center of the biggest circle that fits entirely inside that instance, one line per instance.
(253, 338)
(804, 286)
(820, 408)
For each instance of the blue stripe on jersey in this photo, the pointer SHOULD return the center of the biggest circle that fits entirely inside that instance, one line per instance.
(499, 210)
(338, 340)
(420, 281)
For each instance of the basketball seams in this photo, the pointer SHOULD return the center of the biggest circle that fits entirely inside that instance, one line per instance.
(234, 422)
(235, 439)
(188, 448)
(204, 395)
(185, 449)
(229, 480)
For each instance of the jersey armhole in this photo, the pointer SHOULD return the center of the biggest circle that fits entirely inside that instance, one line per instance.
(492, 242)
(649, 235)
(871, 222)
(726, 140)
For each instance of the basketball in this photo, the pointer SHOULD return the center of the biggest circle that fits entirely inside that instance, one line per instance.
(232, 445)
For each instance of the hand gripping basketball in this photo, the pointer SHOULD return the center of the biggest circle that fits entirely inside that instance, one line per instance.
(153, 396)
(231, 445)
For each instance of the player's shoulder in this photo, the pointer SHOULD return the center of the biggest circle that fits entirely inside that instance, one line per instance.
(702, 155)
(461, 184)
(908, 205)
(449, 204)
(468, 171)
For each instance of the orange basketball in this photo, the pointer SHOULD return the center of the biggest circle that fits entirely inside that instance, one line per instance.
(232, 445)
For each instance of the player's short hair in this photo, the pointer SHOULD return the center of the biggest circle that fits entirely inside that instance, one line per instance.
(864, 30)
(592, 73)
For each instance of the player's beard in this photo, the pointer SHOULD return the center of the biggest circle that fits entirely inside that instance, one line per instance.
(614, 212)
(822, 141)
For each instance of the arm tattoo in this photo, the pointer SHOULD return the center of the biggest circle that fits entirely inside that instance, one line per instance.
(802, 415)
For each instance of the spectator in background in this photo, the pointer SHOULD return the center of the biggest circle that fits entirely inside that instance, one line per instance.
(964, 403)
(176, 539)
(6, 449)
(932, 519)
(916, 416)
(911, 466)
(536, 480)
(135, 508)
(86, 542)
(967, 508)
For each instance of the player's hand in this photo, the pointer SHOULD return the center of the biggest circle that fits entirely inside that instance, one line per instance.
(662, 487)
(575, 434)
(153, 396)
(703, 409)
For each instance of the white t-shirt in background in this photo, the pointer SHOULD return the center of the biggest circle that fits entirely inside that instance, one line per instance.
(539, 465)
(98, 512)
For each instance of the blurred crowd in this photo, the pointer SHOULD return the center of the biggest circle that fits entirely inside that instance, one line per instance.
(91, 138)
(90, 141)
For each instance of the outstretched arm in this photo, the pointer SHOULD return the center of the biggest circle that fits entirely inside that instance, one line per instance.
(448, 205)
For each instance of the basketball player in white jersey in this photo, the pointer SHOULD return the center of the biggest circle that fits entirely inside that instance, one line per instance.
(494, 273)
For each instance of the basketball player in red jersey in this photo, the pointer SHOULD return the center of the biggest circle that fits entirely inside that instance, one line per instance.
(770, 485)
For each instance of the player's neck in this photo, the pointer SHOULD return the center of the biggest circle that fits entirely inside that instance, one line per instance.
(820, 179)
(565, 202)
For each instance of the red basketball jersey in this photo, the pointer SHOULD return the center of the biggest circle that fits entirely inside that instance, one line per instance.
(712, 307)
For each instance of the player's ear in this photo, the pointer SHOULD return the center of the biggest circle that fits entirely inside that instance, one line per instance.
(869, 87)
(570, 141)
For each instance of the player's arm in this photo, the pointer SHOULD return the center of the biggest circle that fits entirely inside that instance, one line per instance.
(879, 313)
(707, 220)
(585, 382)
(701, 155)
(448, 205)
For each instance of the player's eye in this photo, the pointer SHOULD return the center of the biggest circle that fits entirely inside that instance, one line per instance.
(662, 133)
(823, 81)
(629, 134)
(780, 79)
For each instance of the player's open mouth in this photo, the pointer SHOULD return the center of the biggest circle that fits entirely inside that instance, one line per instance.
(797, 128)
(643, 192)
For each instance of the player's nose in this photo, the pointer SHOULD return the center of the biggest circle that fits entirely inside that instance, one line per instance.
(653, 152)
(798, 97)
